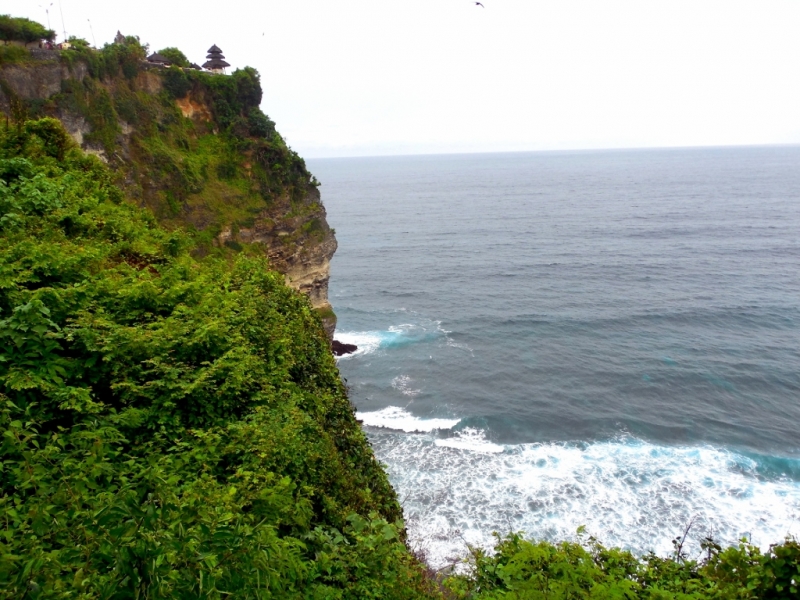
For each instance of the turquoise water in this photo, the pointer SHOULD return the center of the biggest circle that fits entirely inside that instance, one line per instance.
(549, 340)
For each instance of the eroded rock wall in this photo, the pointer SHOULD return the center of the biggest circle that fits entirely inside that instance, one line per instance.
(38, 80)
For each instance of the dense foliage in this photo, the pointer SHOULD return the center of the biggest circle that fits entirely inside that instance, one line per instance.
(221, 169)
(19, 29)
(13, 54)
(112, 60)
(521, 569)
(171, 428)
(175, 56)
(207, 175)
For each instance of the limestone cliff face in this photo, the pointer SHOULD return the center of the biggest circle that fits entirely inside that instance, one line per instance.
(39, 83)
(232, 188)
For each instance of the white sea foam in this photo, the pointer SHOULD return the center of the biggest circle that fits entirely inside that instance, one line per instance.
(399, 419)
(471, 439)
(402, 383)
(627, 493)
(454, 344)
(367, 341)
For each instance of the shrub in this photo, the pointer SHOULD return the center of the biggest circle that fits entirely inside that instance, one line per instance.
(77, 42)
(176, 83)
(13, 54)
(112, 59)
(524, 569)
(175, 56)
(248, 87)
(19, 29)
(259, 124)
(54, 140)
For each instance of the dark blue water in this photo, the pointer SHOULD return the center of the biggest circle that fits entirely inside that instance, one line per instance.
(548, 340)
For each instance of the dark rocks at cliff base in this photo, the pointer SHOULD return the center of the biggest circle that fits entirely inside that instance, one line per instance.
(340, 349)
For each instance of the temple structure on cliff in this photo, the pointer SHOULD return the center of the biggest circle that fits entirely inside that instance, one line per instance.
(216, 60)
(158, 59)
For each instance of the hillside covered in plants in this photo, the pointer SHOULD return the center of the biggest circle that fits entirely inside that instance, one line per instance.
(173, 427)
(176, 427)
(193, 147)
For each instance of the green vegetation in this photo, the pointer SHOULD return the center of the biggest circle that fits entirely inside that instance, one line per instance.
(172, 428)
(206, 175)
(175, 57)
(77, 42)
(176, 82)
(524, 570)
(216, 170)
(19, 29)
(111, 61)
(13, 54)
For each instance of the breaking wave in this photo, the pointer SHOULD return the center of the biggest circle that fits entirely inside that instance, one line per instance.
(629, 493)
(399, 419)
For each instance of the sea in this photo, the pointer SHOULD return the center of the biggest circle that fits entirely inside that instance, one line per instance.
(598, 339)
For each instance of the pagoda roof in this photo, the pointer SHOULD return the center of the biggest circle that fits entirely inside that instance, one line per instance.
(214, 48)
(215, 64)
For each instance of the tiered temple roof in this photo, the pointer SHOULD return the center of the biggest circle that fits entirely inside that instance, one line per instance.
(216, 60)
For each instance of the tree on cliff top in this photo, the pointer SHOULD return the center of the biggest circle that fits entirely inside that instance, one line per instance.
(19, 29)
(175, 56)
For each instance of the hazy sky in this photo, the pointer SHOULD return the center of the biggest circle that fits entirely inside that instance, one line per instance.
(362, 77)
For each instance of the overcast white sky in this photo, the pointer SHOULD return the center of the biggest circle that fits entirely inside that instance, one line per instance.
(367, 77)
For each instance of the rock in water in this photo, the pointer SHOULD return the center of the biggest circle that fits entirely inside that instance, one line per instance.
(340, 349)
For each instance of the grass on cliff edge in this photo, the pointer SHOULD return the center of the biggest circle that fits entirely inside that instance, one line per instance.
(172, 428)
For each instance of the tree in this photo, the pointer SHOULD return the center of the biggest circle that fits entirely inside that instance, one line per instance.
(19, 29)
(174, 56)
(176, 82)
(78, 42)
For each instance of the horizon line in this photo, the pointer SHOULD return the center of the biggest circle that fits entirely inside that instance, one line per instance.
(562, 150)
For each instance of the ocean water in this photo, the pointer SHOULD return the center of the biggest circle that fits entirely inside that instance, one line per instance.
(550, 340)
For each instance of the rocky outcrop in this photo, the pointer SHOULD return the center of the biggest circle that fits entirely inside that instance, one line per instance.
(340, 348)
(38, 80)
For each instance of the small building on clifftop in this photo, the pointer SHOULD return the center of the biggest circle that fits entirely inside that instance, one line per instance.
(158, 59)
(216, 60)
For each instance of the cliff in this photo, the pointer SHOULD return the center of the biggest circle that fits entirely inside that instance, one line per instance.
(193, 147)
(173, 426)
